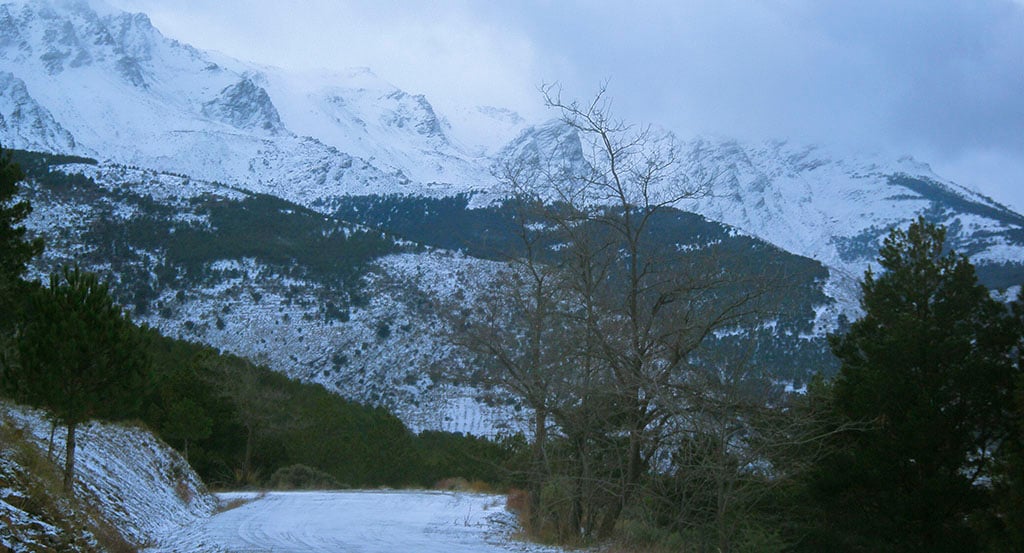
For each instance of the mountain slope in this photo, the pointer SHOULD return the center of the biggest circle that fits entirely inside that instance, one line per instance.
(116, 86)
(26, 124)
(837, 210)
(79, 77)
(344, 305)
(126, 480)
(223, 186)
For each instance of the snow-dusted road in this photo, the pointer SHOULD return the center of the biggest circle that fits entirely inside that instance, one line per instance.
(358, 522)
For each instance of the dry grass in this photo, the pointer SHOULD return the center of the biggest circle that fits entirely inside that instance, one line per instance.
(39, 482)
(108, 536)
(43, 481)
(183, 491)
(518, 501)
(459, 484)
(238, 502)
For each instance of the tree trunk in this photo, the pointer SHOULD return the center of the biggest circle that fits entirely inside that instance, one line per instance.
(609, 520)
(69, 461)
(580, 528)
(247, 461)
(49, 447)
(634, 470)
(537, 469)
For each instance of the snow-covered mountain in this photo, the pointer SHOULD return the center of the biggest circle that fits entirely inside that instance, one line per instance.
(837, 210)
(77, 78)
(174, 126)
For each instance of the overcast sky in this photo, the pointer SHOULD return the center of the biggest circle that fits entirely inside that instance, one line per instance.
(941, 80)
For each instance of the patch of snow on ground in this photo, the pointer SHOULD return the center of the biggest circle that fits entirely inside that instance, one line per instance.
(364, 521)
(139, 484)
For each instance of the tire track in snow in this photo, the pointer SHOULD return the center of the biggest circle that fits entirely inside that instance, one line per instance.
(356, 522)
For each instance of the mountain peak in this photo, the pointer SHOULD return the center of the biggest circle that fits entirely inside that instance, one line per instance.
(62, 35)
(26, 124)
(245, 105)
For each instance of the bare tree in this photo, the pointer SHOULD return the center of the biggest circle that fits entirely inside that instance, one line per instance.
(598, 324)
(516, 326)
(240, 383)
(647, 305)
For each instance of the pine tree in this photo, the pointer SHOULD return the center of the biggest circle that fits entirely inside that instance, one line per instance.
(80, 357)
(929, 367)
(15, 249)
(1004, 530)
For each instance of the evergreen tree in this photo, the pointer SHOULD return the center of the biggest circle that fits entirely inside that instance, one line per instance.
(188, 422)
(1004, 529)
(79, 357)
(929, 368)
(15, 249)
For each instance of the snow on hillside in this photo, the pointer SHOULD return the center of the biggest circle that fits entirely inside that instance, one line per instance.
(363, 115)
(137, 483)
(808, 200)
(78, 80)
(837, 209)
(388, 352)
(146, 491)
(82, 77)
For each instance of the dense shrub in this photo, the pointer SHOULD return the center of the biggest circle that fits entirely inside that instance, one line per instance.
(302, 477)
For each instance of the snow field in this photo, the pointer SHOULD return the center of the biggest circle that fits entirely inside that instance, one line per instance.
(362, 521)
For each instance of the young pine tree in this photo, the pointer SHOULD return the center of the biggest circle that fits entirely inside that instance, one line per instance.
(15, 249)
(79, 357)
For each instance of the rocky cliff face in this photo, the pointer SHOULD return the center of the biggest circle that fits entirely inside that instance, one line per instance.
(245, 105)
(27, 125)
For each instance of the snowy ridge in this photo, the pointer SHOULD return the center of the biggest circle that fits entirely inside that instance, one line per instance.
(837, 210)
(808, 201)
(27, 125)
(82, 77)
(139, 484)
(120, 88)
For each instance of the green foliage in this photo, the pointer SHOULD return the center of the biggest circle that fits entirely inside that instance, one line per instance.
(295, 424)
(79, 356)
(15, 248)
(929, 368)
(1003, 527)
(446, 223)
(446, 454)
(187, 421)
(35, 163)
(291, 238)
(301, 477)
